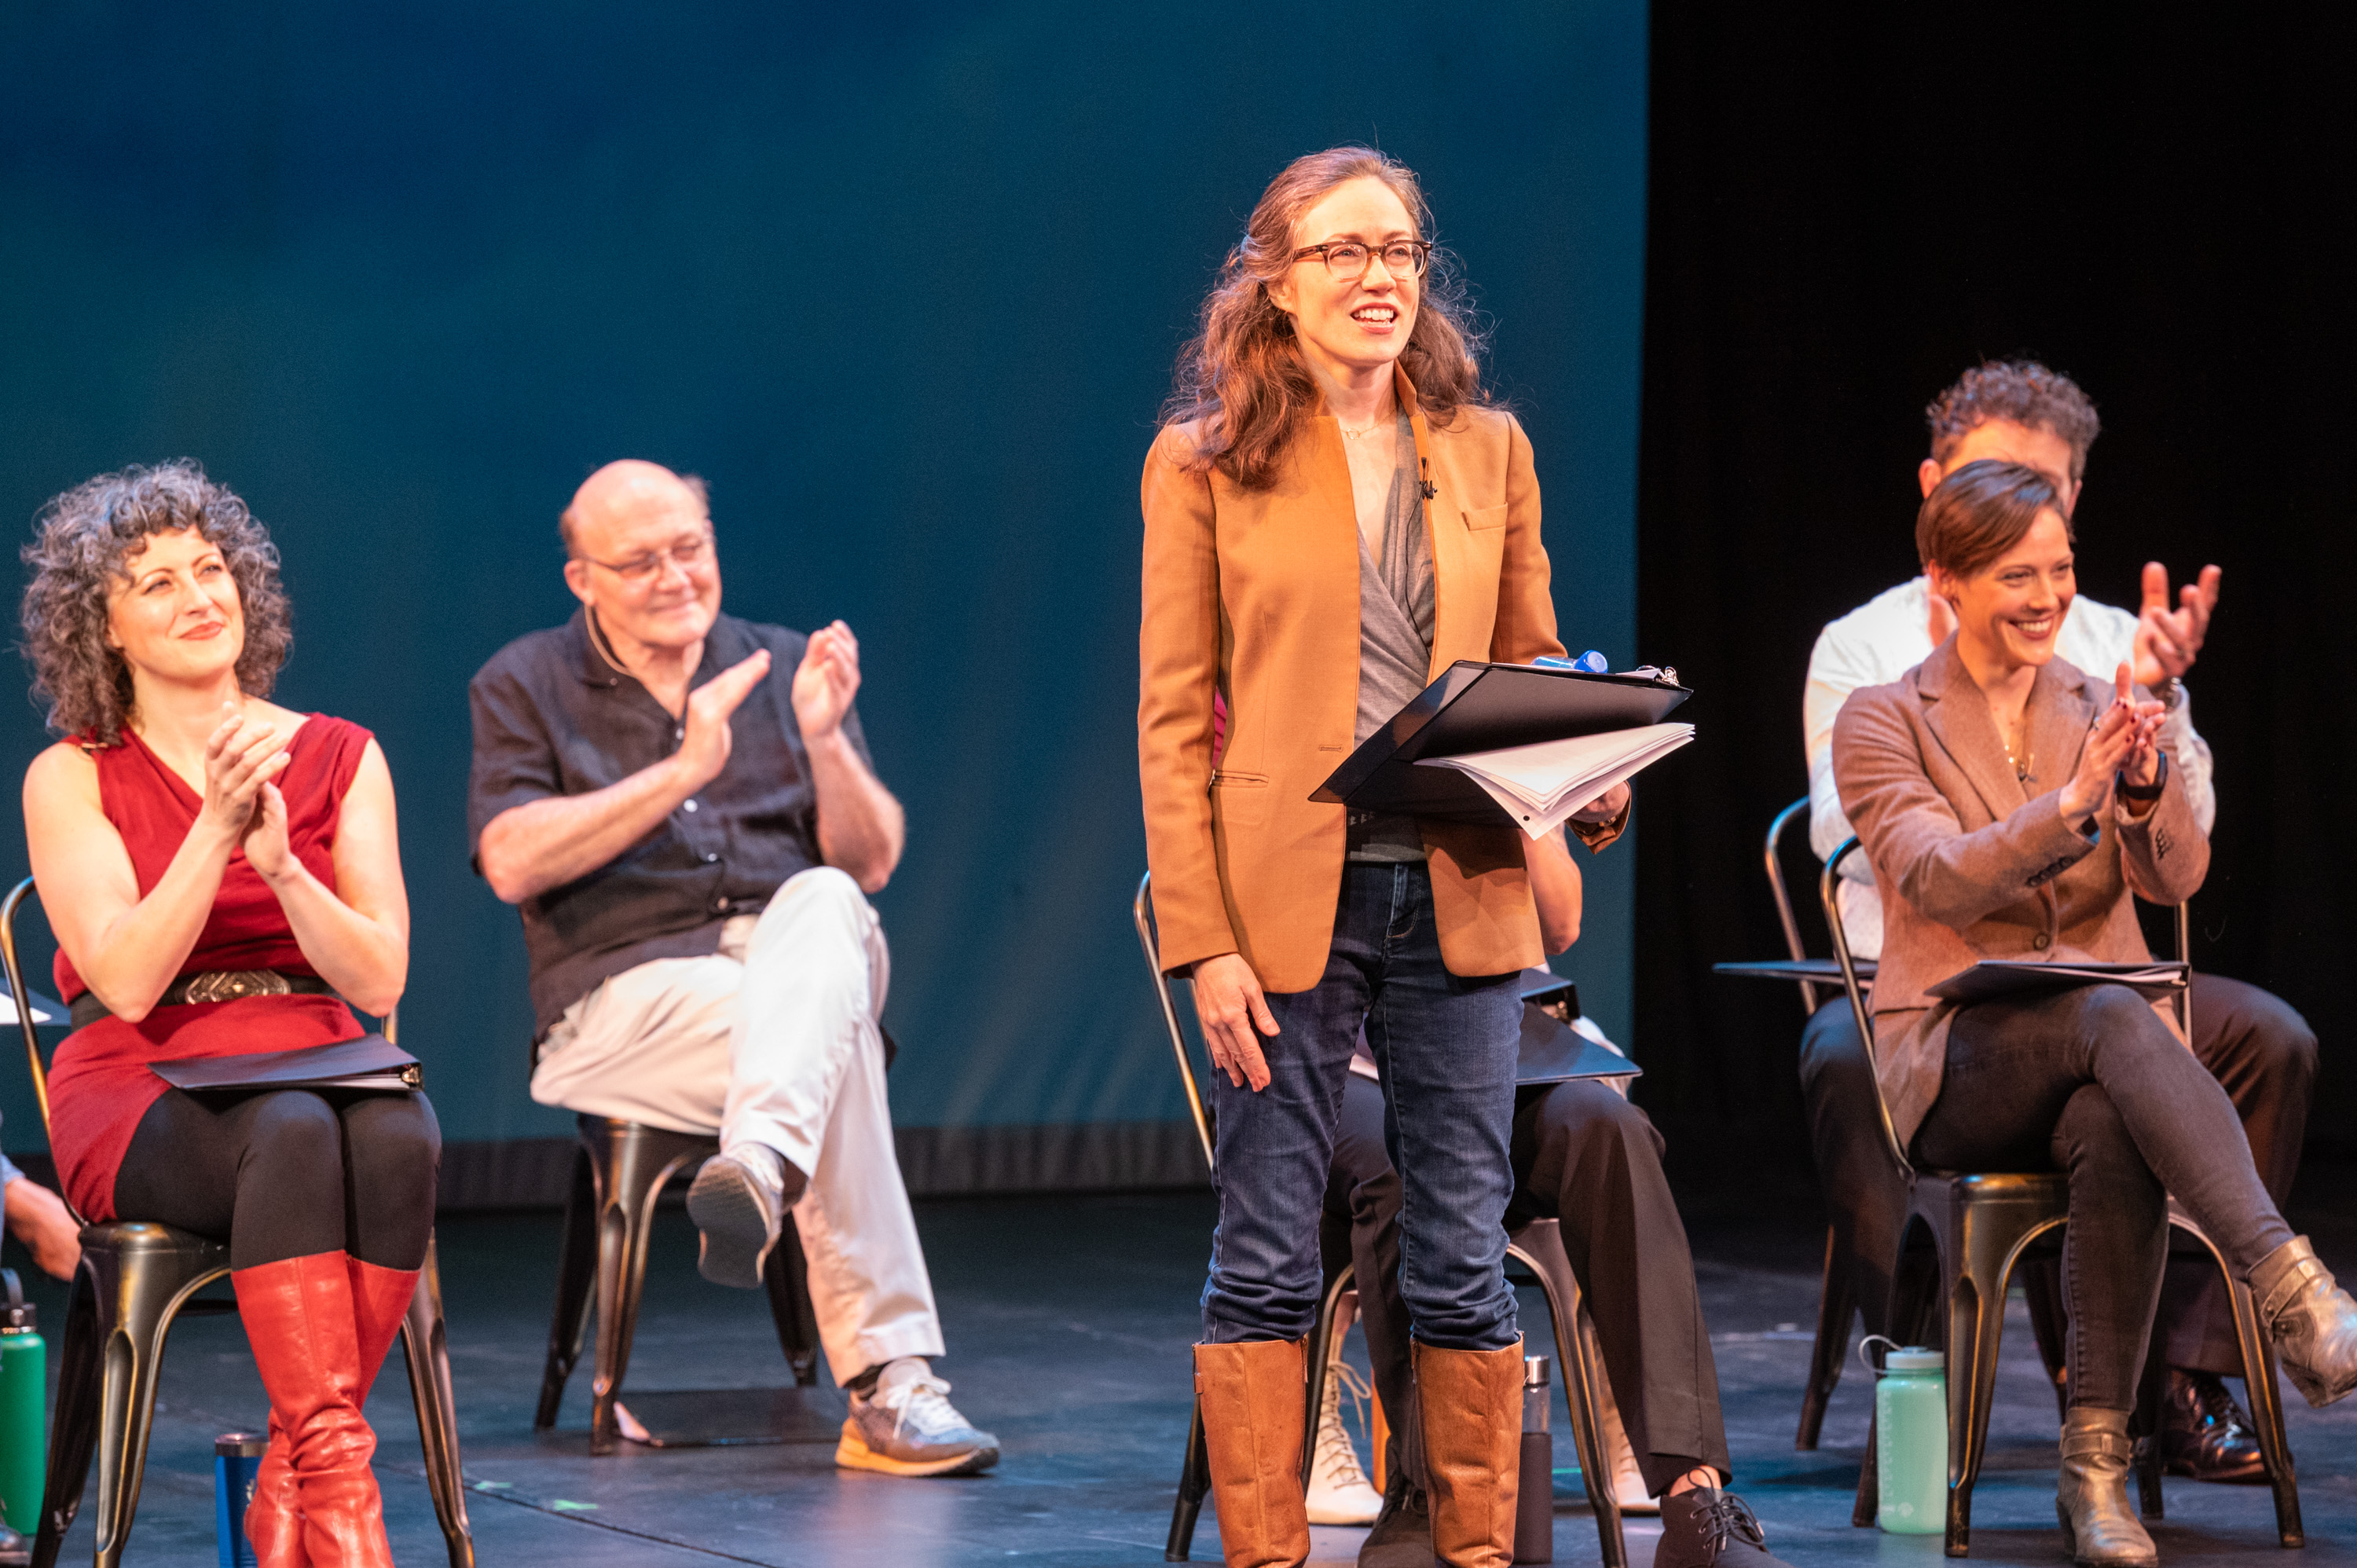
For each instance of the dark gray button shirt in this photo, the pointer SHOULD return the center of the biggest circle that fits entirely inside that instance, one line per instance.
(552, 717)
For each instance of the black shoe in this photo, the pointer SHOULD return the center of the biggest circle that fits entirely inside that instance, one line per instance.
(1401, 1536)
(2203, 1434)
(1708, 1526)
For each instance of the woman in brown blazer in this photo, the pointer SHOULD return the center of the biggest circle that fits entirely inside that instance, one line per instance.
(2011, 804)
(1334, 514)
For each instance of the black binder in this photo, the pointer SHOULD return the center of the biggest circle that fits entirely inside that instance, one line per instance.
(371, 1061)
(1484, 707)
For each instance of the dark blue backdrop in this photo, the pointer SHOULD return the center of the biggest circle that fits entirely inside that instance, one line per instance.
(903, 283)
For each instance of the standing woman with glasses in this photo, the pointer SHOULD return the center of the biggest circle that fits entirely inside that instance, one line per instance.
(1333, 512)
(216, 870)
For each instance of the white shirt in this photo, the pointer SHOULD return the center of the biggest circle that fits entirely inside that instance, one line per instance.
(1890, 634)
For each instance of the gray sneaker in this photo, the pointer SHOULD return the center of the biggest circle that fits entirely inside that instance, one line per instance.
(738, 1200)
(907, 1426)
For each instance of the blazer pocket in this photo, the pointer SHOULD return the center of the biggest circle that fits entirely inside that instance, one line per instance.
(1478, 519)
(1239, 799)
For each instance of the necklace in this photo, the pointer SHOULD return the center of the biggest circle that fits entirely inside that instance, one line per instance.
(2020, 764)
(1351, 435)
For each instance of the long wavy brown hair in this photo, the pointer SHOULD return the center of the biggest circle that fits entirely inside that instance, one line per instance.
(1242, 381)
(81, 541)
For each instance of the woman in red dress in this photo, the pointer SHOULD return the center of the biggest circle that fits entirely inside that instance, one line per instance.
(187, 830)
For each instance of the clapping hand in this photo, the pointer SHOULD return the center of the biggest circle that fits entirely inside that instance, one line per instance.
(704, 744)
(826, 680)
(2125, 739)
(241, 757)
(2167, 640)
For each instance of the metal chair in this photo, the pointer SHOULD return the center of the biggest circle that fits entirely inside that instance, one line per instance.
(620, 1170)
(136, 1278)
(1537, 1246)
(1977, 1226)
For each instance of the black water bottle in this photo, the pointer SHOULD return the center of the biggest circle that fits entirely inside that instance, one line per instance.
(1534, 1503)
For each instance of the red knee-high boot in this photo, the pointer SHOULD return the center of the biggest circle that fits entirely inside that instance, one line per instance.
(380, 1299)
(300, 1316)
(274, 1520)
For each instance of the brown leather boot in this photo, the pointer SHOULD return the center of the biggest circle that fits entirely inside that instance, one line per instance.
(299, 1316)
(1252, 1396)
(2311, 1318)
(1471, 1406)
(2100, 1526)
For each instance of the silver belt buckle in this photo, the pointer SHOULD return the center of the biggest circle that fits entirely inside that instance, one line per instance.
(229, 984)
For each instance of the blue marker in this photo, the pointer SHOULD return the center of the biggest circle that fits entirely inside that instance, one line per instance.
(1588, 663)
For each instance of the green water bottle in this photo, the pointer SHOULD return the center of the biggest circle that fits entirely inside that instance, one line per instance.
(1910, 1441)
(24, 1397)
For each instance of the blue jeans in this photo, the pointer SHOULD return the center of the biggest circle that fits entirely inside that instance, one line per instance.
(1447, 1046)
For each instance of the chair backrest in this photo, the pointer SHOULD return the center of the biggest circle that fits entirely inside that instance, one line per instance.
(1774, 860)
(1142, 912)
(1827, 883)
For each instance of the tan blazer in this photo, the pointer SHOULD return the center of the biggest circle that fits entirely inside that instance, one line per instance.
(1254, 595)
(1971, 865)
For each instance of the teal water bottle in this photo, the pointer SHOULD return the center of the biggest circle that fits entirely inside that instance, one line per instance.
(24, 1398)
(1910, 1440)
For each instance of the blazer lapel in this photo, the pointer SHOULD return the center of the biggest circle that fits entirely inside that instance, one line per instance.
(2062, 708)
(1958, 715)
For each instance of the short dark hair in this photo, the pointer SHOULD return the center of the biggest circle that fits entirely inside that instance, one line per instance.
(2021, 391)
(1980, 511)
(81, 539)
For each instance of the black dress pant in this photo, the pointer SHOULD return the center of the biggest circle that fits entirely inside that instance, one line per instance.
(1588, 1158)
(289, 1173)
(2260, 1048)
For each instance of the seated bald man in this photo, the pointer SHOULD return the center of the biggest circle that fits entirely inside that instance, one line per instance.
(682, 805)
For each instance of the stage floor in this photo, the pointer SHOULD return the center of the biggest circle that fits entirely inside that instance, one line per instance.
(1069, 1321)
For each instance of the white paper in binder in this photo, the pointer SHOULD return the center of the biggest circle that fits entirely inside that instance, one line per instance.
(1540, 786)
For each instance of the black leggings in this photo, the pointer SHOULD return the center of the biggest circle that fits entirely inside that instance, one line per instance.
(289, 1173)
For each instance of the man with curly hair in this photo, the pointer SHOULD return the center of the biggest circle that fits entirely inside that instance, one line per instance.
(682, 806)
(2257, 1045)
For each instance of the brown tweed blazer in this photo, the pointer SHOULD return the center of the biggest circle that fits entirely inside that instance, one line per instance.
(1972, 864)
(1254, 595)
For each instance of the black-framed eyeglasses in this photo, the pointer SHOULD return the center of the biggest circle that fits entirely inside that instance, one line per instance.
(690, 555)
(1346, 260)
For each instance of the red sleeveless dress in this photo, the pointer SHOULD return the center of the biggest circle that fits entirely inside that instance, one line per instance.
(98, 1085)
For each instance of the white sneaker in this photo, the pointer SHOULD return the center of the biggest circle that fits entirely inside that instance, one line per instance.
(1338, 1491)
(907, 1426)
(739, 1201)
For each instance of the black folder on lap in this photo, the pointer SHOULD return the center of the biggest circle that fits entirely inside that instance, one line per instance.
(1551, 1052)
(1485, 707)
(369, 1062)
(2004, 980)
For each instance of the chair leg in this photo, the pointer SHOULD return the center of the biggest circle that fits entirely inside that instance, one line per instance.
(576, 1271)
(1975, 1328)
(1866, 1507)
(426, 1350)
(634, 1162)
(1836, 1304)
(1539, 1247)
(2265, 1394)
(2144, 1428)
(73, 1429)
(1194, 1484)
(787, 1277)
(142, 1298)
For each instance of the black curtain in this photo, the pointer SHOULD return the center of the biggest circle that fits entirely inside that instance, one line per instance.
(1843, 218)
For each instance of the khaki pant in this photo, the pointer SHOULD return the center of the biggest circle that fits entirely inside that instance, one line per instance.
(773, 1040)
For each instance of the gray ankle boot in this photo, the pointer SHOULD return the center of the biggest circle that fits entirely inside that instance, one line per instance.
(2311, 1319)
(2099, 1525)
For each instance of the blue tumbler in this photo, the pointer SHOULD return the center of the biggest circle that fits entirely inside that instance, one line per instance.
(236, 1456)
(1910, 1441)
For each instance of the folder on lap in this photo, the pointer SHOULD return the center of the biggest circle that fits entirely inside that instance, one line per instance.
(369, 1062)
(1519, 743)
(2007, 980)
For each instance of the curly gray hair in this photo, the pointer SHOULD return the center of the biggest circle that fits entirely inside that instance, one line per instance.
(81, 541)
